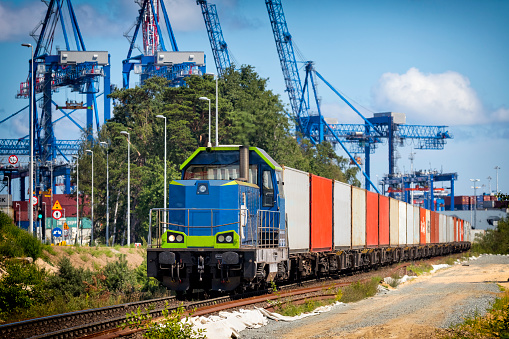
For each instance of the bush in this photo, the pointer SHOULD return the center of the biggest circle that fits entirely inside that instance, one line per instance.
(21, 287)
(494, 241)
(118, 276)
(69, 281)
(15, 242)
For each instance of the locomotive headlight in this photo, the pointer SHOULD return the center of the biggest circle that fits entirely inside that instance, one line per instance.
(171, 238)
(220, 238)
(229, 238)
(202, 188)
(180, 238)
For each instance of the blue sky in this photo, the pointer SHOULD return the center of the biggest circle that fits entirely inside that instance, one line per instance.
(439, 62)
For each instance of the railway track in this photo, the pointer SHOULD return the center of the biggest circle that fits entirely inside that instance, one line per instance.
(104, 320)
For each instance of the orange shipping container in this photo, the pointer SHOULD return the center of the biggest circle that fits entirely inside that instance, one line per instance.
(422, 218)
(383, 220)
(371, 219)
(321, 214)
(432, 224)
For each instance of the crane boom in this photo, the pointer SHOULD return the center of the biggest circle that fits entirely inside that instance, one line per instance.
(217, 43)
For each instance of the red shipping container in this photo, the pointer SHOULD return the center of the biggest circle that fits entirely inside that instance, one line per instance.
(371, 219)
(437, 228)
(321, 214)
(432, 227)
(383, 220)
(422, 228)
(462, 224)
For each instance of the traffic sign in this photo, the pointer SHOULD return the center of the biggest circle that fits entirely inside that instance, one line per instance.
(66, 233)
(57, 232)
(57, 214)
(34, 200)
(13, 160)
(66, 227)
(57, 206)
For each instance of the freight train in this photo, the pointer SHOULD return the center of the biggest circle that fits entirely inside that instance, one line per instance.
(238, 220)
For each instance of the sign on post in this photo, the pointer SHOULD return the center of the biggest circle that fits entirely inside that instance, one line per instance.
(56, 206)
(34, 200)
(57, 214)
(57, 232)
(13, 159)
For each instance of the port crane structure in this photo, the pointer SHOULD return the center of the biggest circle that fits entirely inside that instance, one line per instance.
(155, 59)
(360, 137)
(218, 45)
(55, 68)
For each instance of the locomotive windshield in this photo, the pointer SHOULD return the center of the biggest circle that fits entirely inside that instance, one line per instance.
(219, 172)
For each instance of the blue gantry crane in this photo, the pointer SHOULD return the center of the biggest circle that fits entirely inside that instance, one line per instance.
(360, 137)
(217, 43)
(155, 59)
(54, 68)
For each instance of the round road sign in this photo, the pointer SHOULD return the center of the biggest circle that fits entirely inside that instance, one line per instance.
(57, 214)
(13, 160)
(34, 200)
(57, 232)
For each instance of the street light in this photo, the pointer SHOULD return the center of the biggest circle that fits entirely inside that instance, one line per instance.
(31, 133)
(475, 195)
(107, 193)
(496, 169)
(78, 198)
(205, 98)
(92, 229)
(165, 142)
(128, 187)
(217, 105)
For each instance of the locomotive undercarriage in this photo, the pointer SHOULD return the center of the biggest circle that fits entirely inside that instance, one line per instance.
(226, 270)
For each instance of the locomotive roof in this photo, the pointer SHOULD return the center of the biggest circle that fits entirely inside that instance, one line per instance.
(208, 156)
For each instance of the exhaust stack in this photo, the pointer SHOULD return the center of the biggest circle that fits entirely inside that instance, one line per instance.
(244, 163)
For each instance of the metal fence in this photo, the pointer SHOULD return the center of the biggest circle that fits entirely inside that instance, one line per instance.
(260, 230)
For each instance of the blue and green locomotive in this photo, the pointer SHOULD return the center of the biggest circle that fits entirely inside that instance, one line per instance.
(225, 223)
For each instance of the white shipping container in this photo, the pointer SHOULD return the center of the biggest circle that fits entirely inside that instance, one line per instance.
(296, 186)
(417, 223)
(342, 215)
(358, 217)
(393, 222)
(428, 226)
(450, 230)
(409, 224)
(402, 223)
(441, 227)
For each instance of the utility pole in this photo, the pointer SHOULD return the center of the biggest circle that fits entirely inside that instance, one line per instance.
(496, 169)
(475, 195)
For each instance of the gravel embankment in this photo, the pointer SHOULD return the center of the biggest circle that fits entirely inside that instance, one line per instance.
(431, 301)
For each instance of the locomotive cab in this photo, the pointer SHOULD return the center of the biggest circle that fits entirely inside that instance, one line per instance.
(224, 226)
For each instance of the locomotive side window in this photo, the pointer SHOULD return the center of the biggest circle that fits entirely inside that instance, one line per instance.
(267, 189)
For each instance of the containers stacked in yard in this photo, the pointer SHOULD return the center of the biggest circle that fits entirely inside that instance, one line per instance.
(328, 218)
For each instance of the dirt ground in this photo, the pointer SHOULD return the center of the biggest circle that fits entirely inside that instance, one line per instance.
(91, 258)
(420, 322)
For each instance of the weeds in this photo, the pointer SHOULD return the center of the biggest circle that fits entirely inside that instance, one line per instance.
(358, 291)
(420, 268)
(495, 324)
(394, 280)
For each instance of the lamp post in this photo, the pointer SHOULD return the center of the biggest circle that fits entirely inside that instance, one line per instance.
(92, 229)
(209, 144)
(475, 195)
(165, 142)
(43, 226)
(51, 188)
(78, 198)
(31, 133)
(217, 105)
(496, 169)
(107, 192)
(128, 187)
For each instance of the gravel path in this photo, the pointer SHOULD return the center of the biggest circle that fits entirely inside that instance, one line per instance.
(414, 310)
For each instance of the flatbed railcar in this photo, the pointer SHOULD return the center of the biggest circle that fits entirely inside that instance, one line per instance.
(238, 220)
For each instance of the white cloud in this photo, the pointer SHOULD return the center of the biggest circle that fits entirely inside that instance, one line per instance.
(17, 22)
(444, 98)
